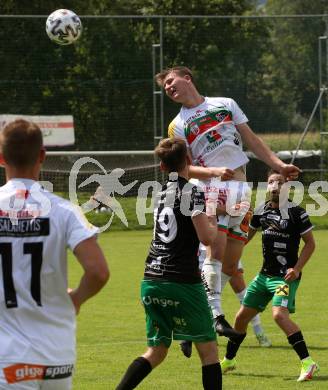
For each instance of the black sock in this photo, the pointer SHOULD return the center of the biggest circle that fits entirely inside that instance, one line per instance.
(296, 340)
(212, 377)
(233, 346)
(135, 373)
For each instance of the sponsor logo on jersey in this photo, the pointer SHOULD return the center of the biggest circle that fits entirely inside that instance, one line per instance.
(194, 129)
(148, 300)
(280, 245)
(179, 321)
(212, 145)
(31, 372)
(283, 223)
(273, 217)
(284, 302)
(204, 123)
(282, 260)
(271, 232)
(213, 136)
(25, 213)
(28, 227)
(237, 139)
(220, 116)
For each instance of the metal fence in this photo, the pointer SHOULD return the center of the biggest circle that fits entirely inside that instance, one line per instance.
(273, 67)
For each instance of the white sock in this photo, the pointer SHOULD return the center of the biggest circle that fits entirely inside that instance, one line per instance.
(241, 295)
(224, 280)
(211, 274)
(256, 324)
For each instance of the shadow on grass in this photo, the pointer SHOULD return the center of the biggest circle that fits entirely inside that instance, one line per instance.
(316, 378)
(320, 378)
(310, 347)
(261, 375)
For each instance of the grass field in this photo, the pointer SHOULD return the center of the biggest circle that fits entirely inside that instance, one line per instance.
(111, 329)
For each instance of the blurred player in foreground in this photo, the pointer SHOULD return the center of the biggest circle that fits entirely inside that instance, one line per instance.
(283, 225)
(172, 292)
(37, 316)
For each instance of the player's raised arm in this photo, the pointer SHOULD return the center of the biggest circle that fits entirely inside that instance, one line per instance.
(96, 271)
(254, 224)
(204, 173)
(264, 153)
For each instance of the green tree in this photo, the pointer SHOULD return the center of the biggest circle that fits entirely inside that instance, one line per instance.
(224, 53)
(291, 64)
(269, 66)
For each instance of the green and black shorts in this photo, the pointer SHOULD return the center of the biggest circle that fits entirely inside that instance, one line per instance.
(176, 310)
(265, 288)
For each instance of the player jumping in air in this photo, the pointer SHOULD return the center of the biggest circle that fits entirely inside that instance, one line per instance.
(214, 129)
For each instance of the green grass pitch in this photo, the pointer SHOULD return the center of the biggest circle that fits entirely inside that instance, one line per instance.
(111, 329)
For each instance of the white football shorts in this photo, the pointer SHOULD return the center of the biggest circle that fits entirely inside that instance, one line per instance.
(236, 196)
(24, 376)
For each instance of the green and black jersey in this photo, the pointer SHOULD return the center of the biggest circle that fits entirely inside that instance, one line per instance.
(173, 250)
(281, 234)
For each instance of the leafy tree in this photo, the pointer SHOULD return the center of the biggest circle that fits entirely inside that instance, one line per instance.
(105, 80)
(292, 62)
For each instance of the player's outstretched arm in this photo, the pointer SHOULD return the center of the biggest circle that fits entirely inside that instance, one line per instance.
(264, 153)
(96, 271)
(204, 173)
(306, 252)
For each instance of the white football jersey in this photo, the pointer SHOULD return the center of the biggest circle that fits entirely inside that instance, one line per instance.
(37, 317)
(210, 132)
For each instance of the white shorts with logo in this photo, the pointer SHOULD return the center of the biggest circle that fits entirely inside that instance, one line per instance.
(236, 196)
(24, 376)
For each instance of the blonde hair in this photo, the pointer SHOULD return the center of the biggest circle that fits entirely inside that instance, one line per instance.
(180, 70)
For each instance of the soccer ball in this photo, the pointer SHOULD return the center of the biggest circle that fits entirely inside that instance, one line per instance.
(63, 27)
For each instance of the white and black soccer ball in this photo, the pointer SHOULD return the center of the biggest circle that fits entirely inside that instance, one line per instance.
(63, 27)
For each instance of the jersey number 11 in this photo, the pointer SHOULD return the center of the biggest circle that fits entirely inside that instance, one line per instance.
(35, 250)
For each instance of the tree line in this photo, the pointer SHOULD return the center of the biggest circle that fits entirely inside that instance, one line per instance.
(268, 65)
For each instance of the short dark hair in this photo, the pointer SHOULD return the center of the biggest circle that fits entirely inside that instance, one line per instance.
(275, 172)
(180, 70)
(20, 143)
(272, 172)
(172, 152)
